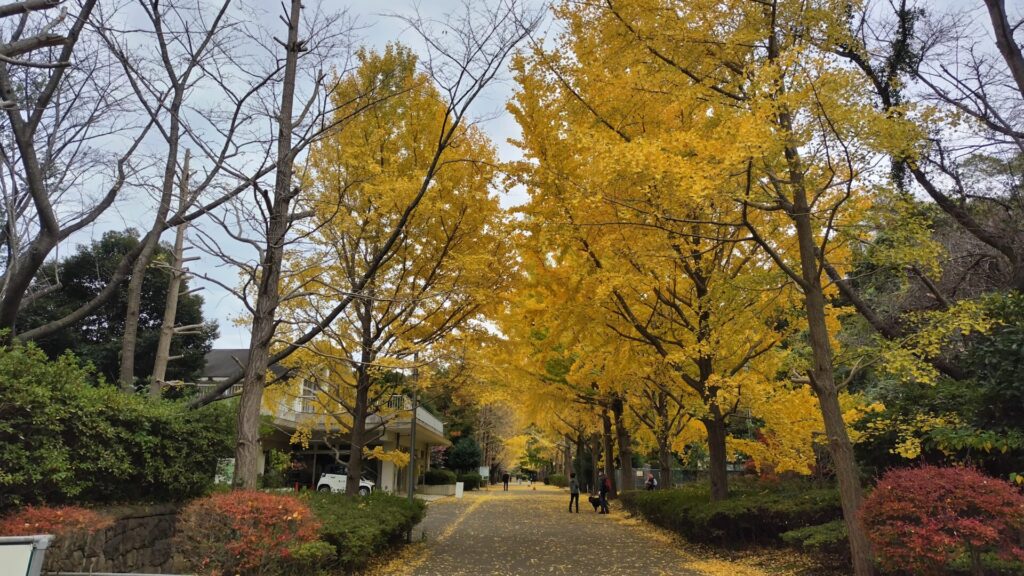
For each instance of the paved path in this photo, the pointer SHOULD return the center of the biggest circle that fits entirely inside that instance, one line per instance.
(527, 531)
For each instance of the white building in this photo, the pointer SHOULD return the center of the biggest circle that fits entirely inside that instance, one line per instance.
(390, 428)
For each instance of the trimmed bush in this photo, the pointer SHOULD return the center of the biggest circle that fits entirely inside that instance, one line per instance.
(438, 476)
(53, 520)
(924, 520)
(245, 532)
(471, 480)
(311, 557)
(754, 512)
(557, 480)
(359, 528)
(828, 538)
(64, 440)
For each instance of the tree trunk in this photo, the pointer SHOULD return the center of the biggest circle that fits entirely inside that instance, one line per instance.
(578, 464)
(566, 455)
(247, 449)
(606, 445)
(665, 461)
(358, 437)
(129, 339)
(623, 439)
(821, 372)
(19, 281)
(718, 457)
(163, 346)
(595, 461)
(357, 440)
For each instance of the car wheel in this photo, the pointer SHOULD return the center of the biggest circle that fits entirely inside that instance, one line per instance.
(364, 491)
(324, 488)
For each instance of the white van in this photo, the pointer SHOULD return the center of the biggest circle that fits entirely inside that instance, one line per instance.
(336, 478)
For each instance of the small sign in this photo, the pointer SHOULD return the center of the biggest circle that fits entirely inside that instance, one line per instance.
(16, 557)
(23, 555)
(225, 471)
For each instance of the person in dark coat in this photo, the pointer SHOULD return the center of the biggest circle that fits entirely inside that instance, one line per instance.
(604, 487)
(574, 492)
(504, 480)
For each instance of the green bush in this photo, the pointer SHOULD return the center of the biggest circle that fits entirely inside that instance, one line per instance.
(359, 528)
(437, 476)
(471, 480)
(753, 512)
(557, 480)
(828, 538)
(310, 557)
(63, 439)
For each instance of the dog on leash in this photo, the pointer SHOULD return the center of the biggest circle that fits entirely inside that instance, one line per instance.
(595, 502)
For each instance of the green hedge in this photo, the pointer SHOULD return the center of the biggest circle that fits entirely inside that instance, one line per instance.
(471, 480)
(63, 439)
(828, 538)
(438, 476)
(360, 528)
(557, 480)
(752, 513)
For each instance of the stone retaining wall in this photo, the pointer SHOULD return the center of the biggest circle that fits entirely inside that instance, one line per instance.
(138, 541)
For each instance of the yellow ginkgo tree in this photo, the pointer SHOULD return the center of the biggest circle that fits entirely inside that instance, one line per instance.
(444, 268)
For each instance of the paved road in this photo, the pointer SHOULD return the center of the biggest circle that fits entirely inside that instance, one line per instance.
(527, 531)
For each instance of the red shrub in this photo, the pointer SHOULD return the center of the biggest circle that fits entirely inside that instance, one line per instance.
(243, 532)
(52, 520)
(922, 519)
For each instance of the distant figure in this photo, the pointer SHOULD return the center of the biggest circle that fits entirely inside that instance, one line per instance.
(604, 487)
(651, 483)
(504, 480)
(574, 492)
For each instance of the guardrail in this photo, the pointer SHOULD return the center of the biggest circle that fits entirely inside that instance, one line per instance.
(109, 574)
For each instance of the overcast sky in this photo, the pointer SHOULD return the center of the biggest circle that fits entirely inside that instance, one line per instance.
(376, 30)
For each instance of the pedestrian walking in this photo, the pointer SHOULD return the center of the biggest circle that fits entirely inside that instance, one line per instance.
(604, 487)
(651, 483)
(504, 480)
(574, 492)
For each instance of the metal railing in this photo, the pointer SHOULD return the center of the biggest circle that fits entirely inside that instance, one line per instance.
(205, 387)
(296, 408)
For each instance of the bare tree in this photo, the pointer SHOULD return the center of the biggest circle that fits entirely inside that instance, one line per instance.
(186, 40)
(177, 272)
(476, 47)
(60, 97)
(193, 43)
(909, 53)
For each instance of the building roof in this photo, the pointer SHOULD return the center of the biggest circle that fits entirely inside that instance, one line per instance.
(225, 362)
